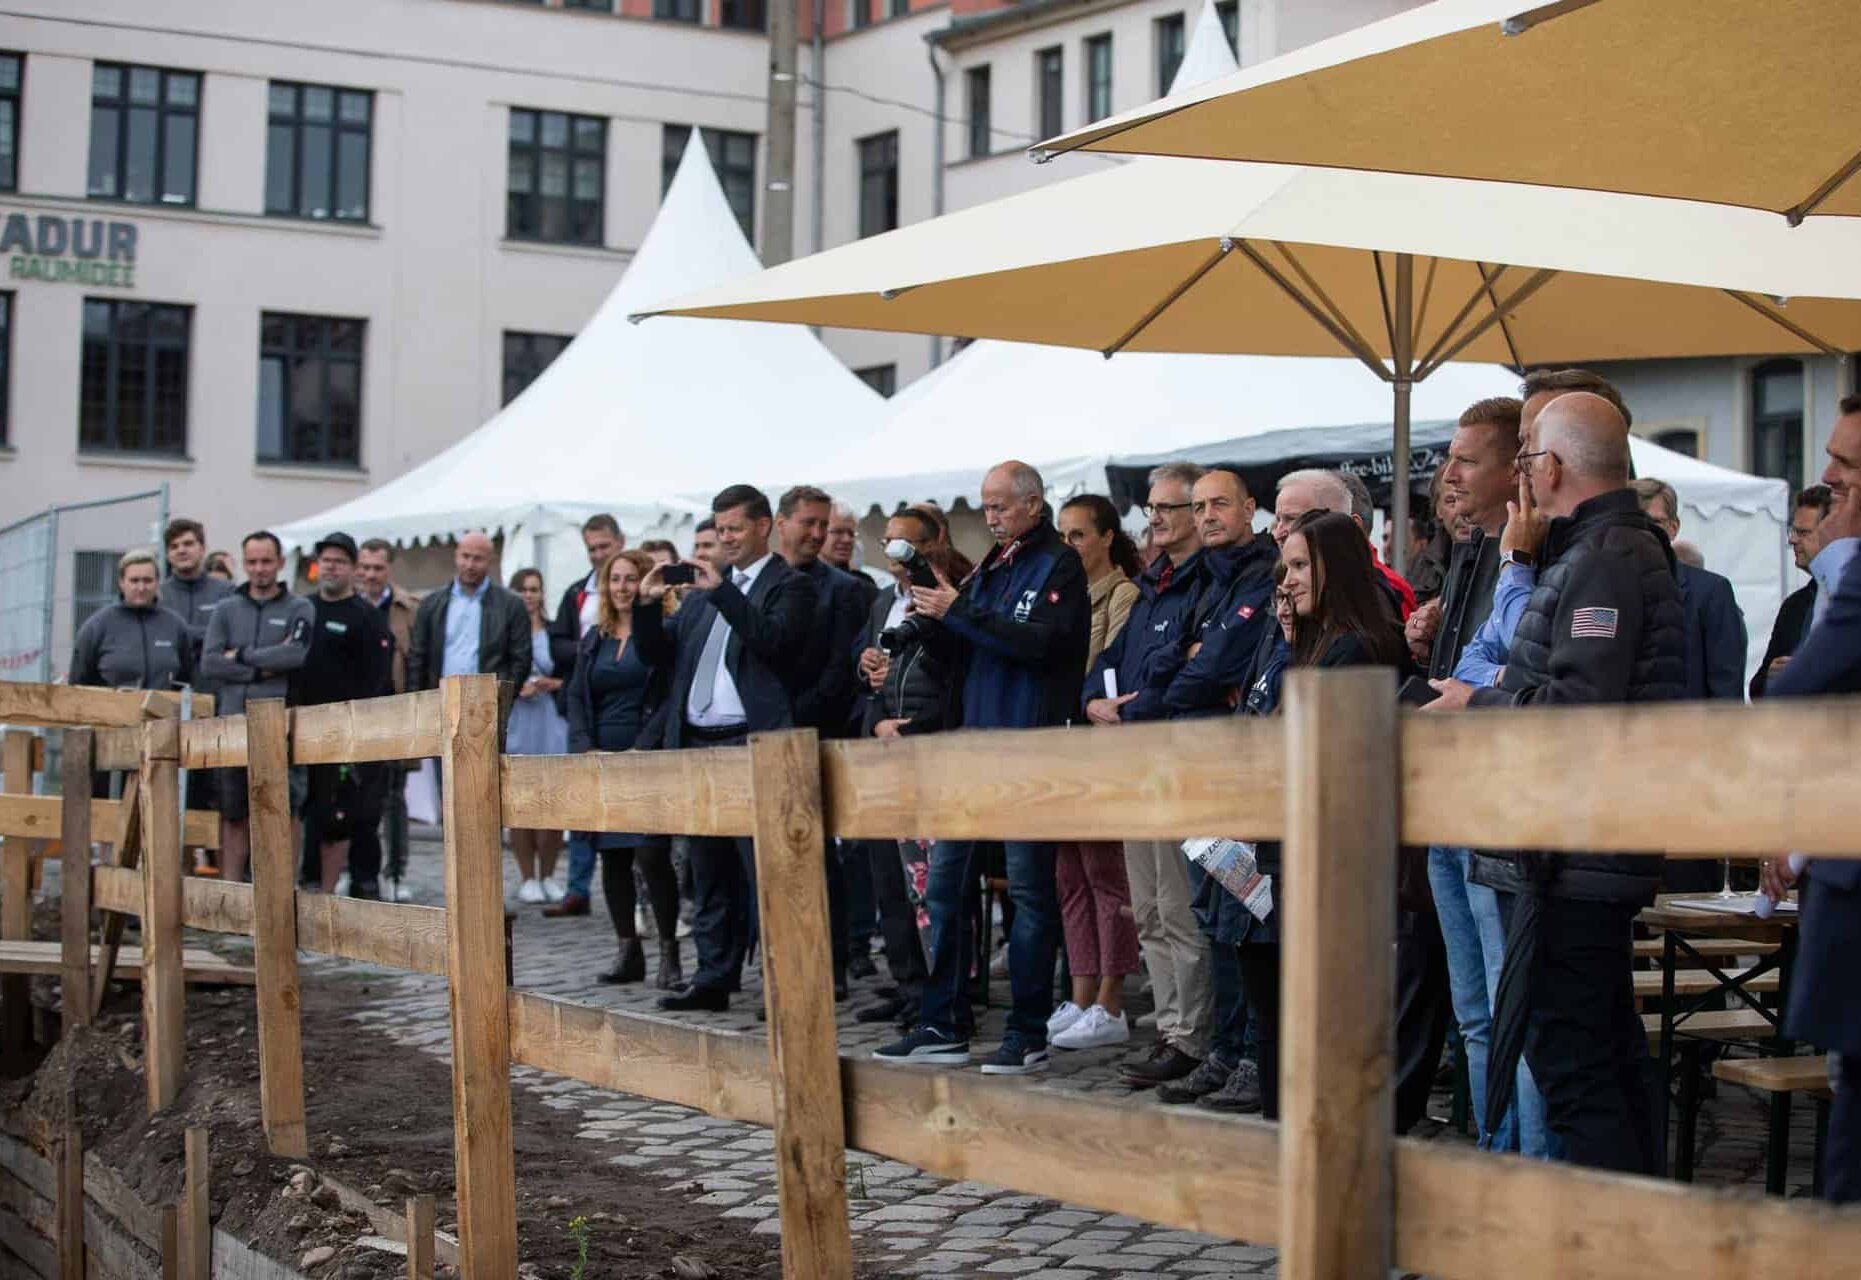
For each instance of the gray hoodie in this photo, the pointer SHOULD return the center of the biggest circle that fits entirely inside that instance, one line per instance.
(269, 640)
(195, 599)
(124, 648)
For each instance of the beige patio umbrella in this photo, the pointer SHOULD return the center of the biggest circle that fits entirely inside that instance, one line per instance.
(1404, 273)
(1742, 102)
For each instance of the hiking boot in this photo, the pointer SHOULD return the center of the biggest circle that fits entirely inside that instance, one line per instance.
(1240, 1095)
(1171, 1064)
(1204, 1080)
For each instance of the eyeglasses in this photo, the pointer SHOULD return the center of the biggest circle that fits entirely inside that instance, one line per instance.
(1797, 534)
(1523, 458)
(1151, 508)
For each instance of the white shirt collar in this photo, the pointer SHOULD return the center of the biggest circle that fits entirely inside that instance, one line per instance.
(749, 575)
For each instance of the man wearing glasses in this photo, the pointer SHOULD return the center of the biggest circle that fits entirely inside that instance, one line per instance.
(1793, 619)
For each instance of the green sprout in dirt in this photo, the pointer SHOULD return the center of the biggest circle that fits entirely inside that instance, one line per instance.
(578, 1227)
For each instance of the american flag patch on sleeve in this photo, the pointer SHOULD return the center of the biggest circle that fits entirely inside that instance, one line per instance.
(1593, 624)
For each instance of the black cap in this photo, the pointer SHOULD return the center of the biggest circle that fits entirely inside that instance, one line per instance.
(341, 541)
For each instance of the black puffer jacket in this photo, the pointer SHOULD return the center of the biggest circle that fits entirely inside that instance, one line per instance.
(923, 685)
(1604, 625)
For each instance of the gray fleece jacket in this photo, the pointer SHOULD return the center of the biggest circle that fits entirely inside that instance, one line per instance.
(125, 648)
(269, 640)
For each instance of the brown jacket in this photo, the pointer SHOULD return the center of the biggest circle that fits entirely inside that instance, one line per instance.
(402, 604)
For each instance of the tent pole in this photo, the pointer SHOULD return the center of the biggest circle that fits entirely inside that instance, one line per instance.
(1403, 349)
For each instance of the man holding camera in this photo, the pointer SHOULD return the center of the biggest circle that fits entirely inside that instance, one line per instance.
(1022, 622)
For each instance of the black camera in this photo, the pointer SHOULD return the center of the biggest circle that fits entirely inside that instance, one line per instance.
(894, 640)
(917, 569)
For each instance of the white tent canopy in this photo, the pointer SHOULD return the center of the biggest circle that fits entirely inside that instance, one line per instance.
(631, 414)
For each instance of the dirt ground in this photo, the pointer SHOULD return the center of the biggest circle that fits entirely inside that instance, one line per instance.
(380, 1121)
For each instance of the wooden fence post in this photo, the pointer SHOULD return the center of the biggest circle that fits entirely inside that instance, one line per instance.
(127, 852)
(164, 1033)
(74, 880)
(70, 1170)
(419, 1238)
(196, 1227)
(484, 1162)
(798, 988)
(274, 929)
(171, 1242)
(1337, 988)
(16, 896)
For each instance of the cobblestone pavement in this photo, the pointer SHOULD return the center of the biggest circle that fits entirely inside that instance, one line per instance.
(906, 1222)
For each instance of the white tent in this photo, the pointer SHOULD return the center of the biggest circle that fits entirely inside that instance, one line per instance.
(629, 414)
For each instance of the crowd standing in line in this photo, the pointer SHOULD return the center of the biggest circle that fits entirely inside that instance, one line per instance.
(1543, 574)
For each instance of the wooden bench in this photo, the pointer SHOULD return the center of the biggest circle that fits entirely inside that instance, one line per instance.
(1698, 982)
(200, 966)
(1780, 1079)
(1723, 1025)
(1691, 1033)
(1709, 948)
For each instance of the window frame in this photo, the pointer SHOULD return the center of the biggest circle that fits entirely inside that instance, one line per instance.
(882, 378)
(297, 122)
(530, 338)
(860, 15)
(1093, 47)
(9, 182)
(978, 122)
(591, 6)
(1228, 13)
(1170, 27)
(1050, 107)
(1791, 423)
(122, 105)
(291, 354)
(717, 144)
(9, 300)
(886, 172)
(113, 373)
(538, 151)
(677, 11)
(730, 20)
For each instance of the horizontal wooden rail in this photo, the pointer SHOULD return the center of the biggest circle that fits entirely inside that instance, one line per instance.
(394, 935)
(118, 748)
(699, 793)
(40, 818)
(402, 727)
(60, 705)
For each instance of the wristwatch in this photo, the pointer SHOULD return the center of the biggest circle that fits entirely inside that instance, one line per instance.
(1523, 559)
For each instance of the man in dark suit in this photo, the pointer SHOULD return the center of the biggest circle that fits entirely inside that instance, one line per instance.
(1825, 990)
(737, 650)
(471, 626)
(1792, 624)
(1715, 627)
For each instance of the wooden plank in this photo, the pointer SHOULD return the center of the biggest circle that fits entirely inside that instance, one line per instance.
(483, 1163)
(1182, 1167)
(798, 990)
(394, 935)
(218, 742)
(42, 817)
(16, 892)
(74, 890)
(1156, 781)
(70, 1167)
(126, 855)
(216, 906)
(704, 793)
(171, 1243)
(1700, 779)
(199, 965)
(1696, 982)
(196, 1227)
(164, 1033)
(1337, 986)
(117, 889)
(1741, 1023)
(118, 748)
(1710, 948)
(70, 704)
(419, 1238)
(274, 921)
(406, 726)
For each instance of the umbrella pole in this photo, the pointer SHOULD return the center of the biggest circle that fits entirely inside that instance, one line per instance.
(1403, 351)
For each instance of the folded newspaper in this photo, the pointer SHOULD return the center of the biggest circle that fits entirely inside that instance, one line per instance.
(1235, 867)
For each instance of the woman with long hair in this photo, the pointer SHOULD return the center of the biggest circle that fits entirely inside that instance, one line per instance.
(1340, 616)
(611, 697)
(536, 729)
(1095, 892)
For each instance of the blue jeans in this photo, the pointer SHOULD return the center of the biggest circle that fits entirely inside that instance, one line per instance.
(581, 865)
(1476, 948)
(1033, 940)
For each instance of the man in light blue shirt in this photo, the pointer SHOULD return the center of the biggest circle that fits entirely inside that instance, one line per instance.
(473, 626)
(1827, 567)
(465, 614)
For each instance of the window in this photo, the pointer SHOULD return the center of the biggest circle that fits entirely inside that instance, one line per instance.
(11, 66)
(599, 6)
(733, 155)
(1777, 421)
(744, 15)
(558, 176)
(882, 378)
(977, 80)
(133, 391)
(6, 361)
(878, 183)
(1169, 33)
(1050, 89)
(862, 13)
(310, 389)
(143, 127)
(1680, 439)
(1098, 77)
(678, 10)
(316, 151)
(93, 584)
(526, 355)
(900, 8)
(1229, 11)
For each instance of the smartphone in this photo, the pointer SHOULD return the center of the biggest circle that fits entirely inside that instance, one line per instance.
(678, 575)
(1417, 692)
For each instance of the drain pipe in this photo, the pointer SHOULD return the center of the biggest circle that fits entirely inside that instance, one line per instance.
(930, 52)
(818, 59)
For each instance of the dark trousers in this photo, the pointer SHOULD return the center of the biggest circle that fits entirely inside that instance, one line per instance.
(653, 856)
(1232, 1037)
(723, 891)
(1259, 963)
(1584, 1041)
(898, 919)
(374, 781)
(861, 905)
(1424, 1005)
(1841, 1157)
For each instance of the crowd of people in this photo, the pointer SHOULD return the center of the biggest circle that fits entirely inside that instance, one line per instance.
(1544, 574)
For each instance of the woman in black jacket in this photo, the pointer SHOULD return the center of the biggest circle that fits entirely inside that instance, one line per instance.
(612, 695)
(1340, 617)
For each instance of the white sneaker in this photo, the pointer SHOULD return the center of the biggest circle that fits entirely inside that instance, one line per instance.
(1063, 1017)
(342, 885)
(552, 892)
(401, 892)
(1094, 1029)
(642, 922)
(532, 891)
(998, 967)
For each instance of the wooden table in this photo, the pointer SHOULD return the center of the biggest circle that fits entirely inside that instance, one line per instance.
(1678, 927)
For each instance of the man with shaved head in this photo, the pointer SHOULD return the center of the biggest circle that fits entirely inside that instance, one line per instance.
(1603, 625)
(471, 626)
(1022, 620)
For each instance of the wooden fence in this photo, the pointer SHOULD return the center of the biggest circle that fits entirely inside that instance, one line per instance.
(1342, 778)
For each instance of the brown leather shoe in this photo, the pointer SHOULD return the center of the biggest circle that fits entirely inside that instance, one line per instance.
(573, 905)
